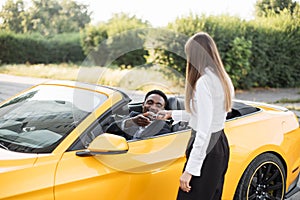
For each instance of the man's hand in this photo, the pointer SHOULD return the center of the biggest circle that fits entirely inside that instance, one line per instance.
(141, 120)
(164, 115)
(150, 115)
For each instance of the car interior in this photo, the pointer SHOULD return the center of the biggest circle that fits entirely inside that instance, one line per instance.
(239, 109)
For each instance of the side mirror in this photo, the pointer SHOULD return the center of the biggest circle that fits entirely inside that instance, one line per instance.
(106, 144)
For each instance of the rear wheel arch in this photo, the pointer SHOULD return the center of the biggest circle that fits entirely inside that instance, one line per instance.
(249, 184)
(275, 152)
(281, 159)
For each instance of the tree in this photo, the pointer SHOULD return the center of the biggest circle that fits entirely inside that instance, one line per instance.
(43, 17)
(264, 7)
(120, 41)
(127, 38)
(47, 17)
(76, 13)
(12, 15)
(93, 41)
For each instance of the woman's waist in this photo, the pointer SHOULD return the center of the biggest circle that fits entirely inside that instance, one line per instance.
(215, 127)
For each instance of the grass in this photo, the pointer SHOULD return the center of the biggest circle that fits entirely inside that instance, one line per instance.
(138, 78)
(292, 103)
(61, 72)
(291, 107)
(286, 100)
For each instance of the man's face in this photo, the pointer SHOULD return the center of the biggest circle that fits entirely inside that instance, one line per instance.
(154, 103)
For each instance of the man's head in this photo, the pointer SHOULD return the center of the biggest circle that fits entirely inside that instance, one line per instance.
(155, 100)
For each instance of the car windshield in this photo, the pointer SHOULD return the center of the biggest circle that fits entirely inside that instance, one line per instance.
(36, 121)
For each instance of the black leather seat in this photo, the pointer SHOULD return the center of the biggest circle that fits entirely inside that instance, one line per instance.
(175, 103)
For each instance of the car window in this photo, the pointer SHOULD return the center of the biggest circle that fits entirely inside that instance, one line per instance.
(37, 120)
(116, 113)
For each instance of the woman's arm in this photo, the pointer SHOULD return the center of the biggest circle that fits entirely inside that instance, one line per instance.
(176, 115)
(204, 106)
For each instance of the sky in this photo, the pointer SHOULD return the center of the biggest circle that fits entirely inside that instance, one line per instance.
(160, 12)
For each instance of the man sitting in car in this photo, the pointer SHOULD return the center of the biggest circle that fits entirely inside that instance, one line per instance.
(139, 125)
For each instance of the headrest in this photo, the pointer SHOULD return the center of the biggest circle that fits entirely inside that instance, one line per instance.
(175, 103)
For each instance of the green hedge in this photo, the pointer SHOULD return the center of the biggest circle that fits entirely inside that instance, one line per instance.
(260, 53)
(275, 52)
(120, 41)
(228, 33)
(34, 48)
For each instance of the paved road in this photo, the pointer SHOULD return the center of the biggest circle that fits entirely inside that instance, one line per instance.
(8, 89)
(272, 96)
(11, 85)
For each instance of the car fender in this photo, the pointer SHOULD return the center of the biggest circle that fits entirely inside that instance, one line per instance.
(239, 162)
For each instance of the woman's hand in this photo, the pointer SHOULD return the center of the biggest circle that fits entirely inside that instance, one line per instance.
(185, 181)
(164, 115)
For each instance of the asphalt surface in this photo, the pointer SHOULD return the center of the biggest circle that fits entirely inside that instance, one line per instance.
(272, 96)
(8, 89)
(11, 85)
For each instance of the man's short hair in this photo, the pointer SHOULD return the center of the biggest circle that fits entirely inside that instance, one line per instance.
(160, 93)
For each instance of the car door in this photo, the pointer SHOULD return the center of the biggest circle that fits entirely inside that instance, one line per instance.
(149, 170)
(27, 176)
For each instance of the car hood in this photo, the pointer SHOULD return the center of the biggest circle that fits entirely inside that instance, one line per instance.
(10, 160)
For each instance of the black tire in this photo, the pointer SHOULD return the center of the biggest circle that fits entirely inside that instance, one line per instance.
(264, 178)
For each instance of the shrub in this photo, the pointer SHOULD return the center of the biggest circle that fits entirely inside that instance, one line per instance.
(258, 53)
(34, 48)
(120, 42)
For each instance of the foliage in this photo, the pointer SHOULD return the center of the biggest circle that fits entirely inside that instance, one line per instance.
(263, 8)
(167, 49)
(34, 48)
(12, 16)
(275, 61)
(257, 53)
(227, 33)
(237, 61)
(65, 47)
(93, 42)
(120, 41)
(44, 16)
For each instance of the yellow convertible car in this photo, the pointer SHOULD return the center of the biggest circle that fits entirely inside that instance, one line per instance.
(53, 145)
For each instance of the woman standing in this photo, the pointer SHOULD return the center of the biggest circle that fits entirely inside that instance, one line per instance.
(208, 97)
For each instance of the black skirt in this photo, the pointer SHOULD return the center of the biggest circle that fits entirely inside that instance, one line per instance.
(209, 185)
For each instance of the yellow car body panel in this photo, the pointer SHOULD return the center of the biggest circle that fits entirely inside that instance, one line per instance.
(258, 134)
(32, 179)
(146, 171)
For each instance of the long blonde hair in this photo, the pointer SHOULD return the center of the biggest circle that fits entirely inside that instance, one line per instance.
(202, 52)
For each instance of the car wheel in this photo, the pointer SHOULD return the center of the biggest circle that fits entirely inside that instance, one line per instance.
(264, 178)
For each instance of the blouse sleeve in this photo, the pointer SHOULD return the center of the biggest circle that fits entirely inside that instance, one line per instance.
(180, 115)
(204, 105)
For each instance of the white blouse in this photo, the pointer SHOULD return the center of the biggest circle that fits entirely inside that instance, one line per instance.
(208, 116)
